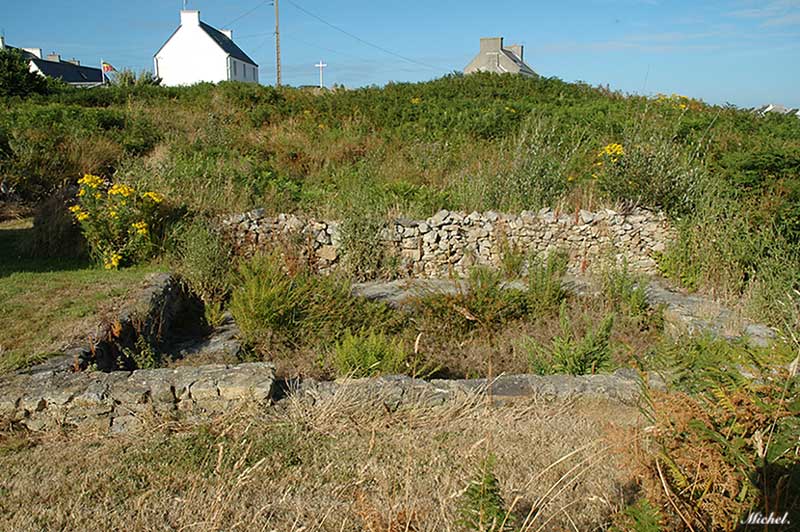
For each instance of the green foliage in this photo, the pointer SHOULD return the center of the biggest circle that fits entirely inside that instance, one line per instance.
(626, 293)
(205, 261)
(128, 78)
(482, 508)
(143, 355)
(368, 353)
(117, 221)
(363, 222)
(484, 304)
(15, 78)
(274, 308)
(728, 178)
(545, 289)
(571, 353)
(640, 516)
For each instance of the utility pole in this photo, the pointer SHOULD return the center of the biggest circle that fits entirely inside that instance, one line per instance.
(277, 46)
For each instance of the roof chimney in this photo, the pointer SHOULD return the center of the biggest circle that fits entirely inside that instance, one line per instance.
(74, 62)
(35, 51)
(491, 44)
(227, 33)
(190, 18)
(52, 56)
(2, 42)
(517, 50)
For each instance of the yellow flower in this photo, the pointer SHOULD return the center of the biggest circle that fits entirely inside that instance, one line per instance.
(112, 262)
(90, 180)
(571, 178)
(81, 192)
(97, 195)
(153, 196)
(416, 100)
(140, 227)
(75, 209)
(614, 150)
(121, 190)
(82, 216)
(112, 213)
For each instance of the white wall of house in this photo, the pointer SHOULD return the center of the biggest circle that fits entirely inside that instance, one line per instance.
(192, 56)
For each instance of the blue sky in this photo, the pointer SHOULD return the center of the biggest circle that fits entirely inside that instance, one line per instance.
(742, 52)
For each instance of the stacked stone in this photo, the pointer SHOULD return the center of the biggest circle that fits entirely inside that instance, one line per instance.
(255, 230)
(449, 243)
(120, 400)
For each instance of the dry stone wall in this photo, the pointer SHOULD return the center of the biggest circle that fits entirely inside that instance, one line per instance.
(449, 243)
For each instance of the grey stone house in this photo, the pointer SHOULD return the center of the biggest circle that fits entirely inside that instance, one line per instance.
(494, 57)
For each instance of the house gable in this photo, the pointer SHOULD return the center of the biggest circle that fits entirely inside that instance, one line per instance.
(494, 57)
(197, 52)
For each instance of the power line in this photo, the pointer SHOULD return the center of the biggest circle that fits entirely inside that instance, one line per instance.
(240, 17)
(359, 39)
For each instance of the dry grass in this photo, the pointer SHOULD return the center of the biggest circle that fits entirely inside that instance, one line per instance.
(337, 465)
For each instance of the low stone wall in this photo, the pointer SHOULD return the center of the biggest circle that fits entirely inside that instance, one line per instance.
(449, 243)
(122, 401)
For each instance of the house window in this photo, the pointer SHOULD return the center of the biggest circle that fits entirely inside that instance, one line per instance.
(234, 69)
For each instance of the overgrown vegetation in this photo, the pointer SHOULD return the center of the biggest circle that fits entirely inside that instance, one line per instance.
(728, 178)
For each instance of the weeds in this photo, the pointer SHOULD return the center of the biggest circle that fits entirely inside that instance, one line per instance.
(205, 261)
(482, 505)
(365, 354)
(571, 354)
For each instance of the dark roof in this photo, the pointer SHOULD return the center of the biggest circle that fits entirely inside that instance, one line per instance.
(68, 72)
(226, 44)
(519, 62)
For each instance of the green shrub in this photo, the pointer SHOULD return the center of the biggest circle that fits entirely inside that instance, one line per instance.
(545, 288)
(275, 308)
(571, 354)
(482, 508)
(362, 226)
(15, 76)
(648, 166)
(369, 353)
(640, 516)
(206, 262)
(117, 221)
(626, 294)
(484, 304)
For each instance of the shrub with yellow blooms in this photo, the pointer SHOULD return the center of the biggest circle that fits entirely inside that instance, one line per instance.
(117, 220)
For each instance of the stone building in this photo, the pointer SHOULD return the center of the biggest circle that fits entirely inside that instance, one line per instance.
(494, 57)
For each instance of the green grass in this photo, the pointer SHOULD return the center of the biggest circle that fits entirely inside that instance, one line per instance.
(46, 303)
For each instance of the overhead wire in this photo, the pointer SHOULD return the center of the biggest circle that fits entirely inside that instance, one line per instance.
(359, 39)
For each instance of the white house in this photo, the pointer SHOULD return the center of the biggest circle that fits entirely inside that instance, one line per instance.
(197, 52)
(494, 57)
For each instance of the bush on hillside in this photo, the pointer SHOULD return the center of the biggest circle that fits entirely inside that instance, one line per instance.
(15, 77)
(118, 221)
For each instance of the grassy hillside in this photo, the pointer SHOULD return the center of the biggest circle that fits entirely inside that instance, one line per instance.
(730, 180)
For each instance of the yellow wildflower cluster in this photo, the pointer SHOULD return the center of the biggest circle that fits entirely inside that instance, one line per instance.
(91, 181)
(511, 109)
(79, 213)
(614, 151)
(112, 261)
(140, 227)
(153, 196)
(416, 100)
(676, 100)
(120, 190)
